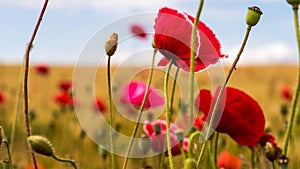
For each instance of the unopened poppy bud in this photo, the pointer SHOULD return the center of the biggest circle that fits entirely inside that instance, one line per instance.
(144, 144)
(153, 44)
(179, 135)
(111, 44)
(41, 145)
(293, 2)
(253, 15)
(270, 150)
(190, 163)
(283, 162)
(157, 129)
(1, 135)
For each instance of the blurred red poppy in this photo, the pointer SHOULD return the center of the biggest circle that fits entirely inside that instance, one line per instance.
(286, 93)
(138, 31)
(242, 117)
(226, 160)
(65, 85)
(172, 38)
(267, 137)
(133, 93)
(64, 99)
(39, 166)
(99, 105)
(159, 140)
(42, 69)
(2, 98)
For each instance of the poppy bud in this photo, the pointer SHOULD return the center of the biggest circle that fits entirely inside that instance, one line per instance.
(270, 151)
(190, 163)
(144, 144)
(283, 162)
(153, 44)
(111, 44)
(41, 145)
(1, 135)
(293, 2)
(253, 15)
(157, 129)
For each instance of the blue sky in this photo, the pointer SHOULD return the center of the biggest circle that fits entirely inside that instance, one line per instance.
(69, 24)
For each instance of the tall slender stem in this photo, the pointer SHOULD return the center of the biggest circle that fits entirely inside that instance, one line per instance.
(168, 114)
(112, 155)
(296, 93)
(140, 111)
(9, 153)
(173, 91)
(252, 158)
(192, 62)
(213, 114)
(25, 82)
(216, 148)
(65, 161)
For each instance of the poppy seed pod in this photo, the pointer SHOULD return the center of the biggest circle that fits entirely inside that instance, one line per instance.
(190, 163)
(157, 129)
(111, 44)
(41, 145)
(283, 162)
(253, 15)
(293, 2)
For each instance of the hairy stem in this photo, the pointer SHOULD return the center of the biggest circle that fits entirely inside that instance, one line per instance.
(72, 162)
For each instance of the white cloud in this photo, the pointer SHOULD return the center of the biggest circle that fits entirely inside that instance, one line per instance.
(276, 52)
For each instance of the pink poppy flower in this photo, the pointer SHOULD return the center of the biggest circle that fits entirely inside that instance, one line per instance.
(240, 114)
(133, 93)
(2, 98)
(99, 105)
(172, 38)
(138, 31)
(65, 85)
(226, 160)
(159, 141)
(42, 69)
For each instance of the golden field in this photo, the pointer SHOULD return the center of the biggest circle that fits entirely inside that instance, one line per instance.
(263, 83)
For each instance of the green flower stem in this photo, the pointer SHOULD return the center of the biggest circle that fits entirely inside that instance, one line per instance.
(192, 62)
(210, 156)
(168, 119)
(8, 153)
(273, 165)
(182, 151)
(112, 155)
(72, 162)
(216, 148)
(140, 111)
(213, 114)
(173, 91)
(252, 158)
(191, 144)
(296, 93)
(25, 82)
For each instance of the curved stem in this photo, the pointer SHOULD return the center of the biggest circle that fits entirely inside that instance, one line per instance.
(25, 82)
(213, 114)
(168, 119)
(72, 162)
(192, 62)
(191, 144)
(140, 111)
(296, 93)
(173, 91)
(110, 116)
(8, 152)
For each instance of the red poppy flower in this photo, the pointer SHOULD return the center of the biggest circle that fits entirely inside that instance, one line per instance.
(64, 99)
(172, 38)
(138, 31)
(99, 105)
(159, 141)
(42, 69)
(242, 117)
(65, 85)
(227, 160)
(133, 93)
(2, 98)
(39, 166)
(286, 93)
